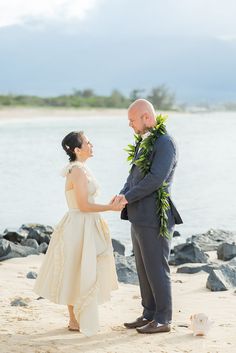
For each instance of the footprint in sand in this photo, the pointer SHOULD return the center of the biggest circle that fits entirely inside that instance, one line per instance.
(118, 328)
(136, 297)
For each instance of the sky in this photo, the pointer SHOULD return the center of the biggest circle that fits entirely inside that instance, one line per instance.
(15, 12)
(50, 47)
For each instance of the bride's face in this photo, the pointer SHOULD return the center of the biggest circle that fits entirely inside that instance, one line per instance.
(86, 150)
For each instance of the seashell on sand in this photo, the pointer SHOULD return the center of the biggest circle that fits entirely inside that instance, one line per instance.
(200, 324)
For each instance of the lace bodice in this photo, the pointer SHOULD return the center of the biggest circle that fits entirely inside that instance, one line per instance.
(93, 187)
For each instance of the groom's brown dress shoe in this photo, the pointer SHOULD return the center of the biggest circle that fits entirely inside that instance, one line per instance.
(139, 322)
(153, 327)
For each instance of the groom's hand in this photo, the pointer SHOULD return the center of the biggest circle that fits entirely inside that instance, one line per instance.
(122, 199)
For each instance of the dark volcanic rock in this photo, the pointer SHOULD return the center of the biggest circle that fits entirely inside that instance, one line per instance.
(39, 237)
(126, 269)
(172, 258)
(14, 235)
(226, 251)
(32, 275)
(38, 227)
(224, 278)
(176, 234)
(212, 239)
(34, 234)
(17, 250)
(45, 238)
(216, 281)
(19, 302)
(188, 253)
(118, 247)
(43, 247)
(195, 268)
(5, 247)
(30, 242)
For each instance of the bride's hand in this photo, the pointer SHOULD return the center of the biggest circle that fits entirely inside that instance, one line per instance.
(117, 204)
(112, 200)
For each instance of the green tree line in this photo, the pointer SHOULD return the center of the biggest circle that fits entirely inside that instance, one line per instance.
(160, 96)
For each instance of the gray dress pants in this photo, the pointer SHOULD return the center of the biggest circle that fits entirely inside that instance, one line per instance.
(151, 255)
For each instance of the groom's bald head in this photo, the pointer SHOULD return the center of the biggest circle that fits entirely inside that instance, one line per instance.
(142, 106)
(141, 115)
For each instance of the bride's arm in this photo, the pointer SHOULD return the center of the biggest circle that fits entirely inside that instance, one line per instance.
(80, 185)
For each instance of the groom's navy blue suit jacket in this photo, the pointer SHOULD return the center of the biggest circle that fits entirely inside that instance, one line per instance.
(140, 190)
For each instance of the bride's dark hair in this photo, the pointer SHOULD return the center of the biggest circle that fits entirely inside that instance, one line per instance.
(70, 142)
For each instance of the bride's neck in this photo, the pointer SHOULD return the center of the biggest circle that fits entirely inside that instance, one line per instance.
(81, 160)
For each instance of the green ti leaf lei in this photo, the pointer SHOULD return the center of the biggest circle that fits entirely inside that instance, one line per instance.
(144, 164)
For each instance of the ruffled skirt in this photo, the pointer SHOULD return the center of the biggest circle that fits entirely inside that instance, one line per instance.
(78, 268)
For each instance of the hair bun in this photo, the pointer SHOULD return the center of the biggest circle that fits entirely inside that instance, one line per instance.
(70, 142)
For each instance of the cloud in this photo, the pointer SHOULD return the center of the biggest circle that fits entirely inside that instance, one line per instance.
(228, 38)
(14, 12)
(156, 18)
(122, 18)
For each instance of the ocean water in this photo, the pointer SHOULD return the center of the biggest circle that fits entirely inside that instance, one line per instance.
(31, 158)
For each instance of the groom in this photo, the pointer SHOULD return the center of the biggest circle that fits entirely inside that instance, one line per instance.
(151, 249)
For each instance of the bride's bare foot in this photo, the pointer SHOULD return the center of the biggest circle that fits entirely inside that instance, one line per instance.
(73, 326)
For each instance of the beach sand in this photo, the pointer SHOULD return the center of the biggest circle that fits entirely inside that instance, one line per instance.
(41, 327)
(37, 112)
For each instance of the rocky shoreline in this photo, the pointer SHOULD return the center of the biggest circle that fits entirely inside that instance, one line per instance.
(213, 252)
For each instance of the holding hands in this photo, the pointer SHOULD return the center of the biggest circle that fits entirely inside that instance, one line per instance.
(118, 202)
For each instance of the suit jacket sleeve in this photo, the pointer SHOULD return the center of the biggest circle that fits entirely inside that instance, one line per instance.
(126, 186)
(164, 158)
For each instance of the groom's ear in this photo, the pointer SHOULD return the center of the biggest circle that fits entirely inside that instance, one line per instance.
(145, 116)
(147, 119)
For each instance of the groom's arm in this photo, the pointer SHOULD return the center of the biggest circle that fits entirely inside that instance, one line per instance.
(162, 164)
(126, 186)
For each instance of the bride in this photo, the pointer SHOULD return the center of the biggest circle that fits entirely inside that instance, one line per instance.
(78, 269)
